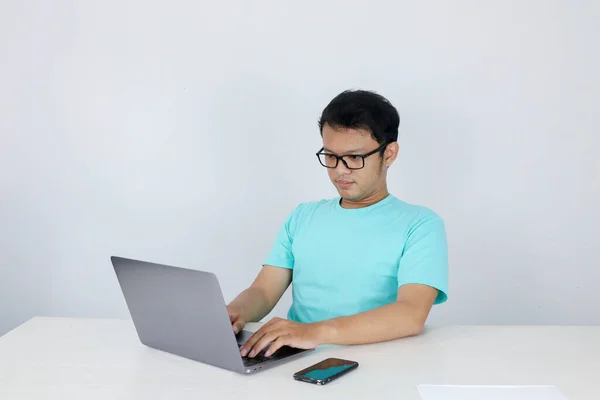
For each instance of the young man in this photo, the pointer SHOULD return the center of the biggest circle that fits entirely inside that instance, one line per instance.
(365, 266)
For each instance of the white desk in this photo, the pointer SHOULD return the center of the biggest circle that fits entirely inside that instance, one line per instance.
(63, 359)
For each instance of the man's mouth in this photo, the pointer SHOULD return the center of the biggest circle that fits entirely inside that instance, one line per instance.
(345, 184)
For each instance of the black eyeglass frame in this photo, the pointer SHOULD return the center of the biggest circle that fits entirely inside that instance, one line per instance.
(338, 158)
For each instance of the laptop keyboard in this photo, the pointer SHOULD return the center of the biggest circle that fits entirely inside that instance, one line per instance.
(248, 361)
(283, 352)
(259, 358)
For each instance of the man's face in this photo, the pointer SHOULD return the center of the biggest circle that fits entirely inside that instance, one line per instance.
(355, 184)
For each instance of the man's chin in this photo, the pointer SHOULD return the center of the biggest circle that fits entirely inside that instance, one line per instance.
(347, 194)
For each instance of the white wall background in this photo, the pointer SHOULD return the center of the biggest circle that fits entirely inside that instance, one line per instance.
(184, 132)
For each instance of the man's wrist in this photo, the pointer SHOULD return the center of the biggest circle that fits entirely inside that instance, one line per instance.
(327, 331)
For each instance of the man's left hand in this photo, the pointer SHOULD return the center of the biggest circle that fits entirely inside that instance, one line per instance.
(281, 332)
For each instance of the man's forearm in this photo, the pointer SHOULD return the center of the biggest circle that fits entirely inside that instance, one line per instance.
(392, 321)
(252, 304)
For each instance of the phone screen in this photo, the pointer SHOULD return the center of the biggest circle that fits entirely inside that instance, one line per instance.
(326, 370)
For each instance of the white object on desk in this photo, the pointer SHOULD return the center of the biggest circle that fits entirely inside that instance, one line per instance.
(476, 392)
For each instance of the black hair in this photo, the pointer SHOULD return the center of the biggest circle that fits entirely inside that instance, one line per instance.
(362, 109)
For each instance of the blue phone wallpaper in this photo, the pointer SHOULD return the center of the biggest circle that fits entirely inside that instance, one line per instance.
(323, 374)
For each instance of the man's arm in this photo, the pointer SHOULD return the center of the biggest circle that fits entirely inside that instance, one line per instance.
(405, 317)
(254, 303)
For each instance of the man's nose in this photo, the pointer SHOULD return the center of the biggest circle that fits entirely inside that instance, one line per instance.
(342, 169)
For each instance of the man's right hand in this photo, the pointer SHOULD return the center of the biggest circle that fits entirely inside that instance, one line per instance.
(237, 321)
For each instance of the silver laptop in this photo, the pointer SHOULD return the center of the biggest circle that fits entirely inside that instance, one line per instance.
(182, 311)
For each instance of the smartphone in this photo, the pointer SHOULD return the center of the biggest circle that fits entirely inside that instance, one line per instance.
(325, 371)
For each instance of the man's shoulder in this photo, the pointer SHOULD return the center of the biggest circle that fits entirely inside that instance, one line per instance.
(415, 214)
(410, 214)
(309, 207)
(415, 209)
(304, 212)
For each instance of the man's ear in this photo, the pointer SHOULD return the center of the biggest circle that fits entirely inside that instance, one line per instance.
(390, 154)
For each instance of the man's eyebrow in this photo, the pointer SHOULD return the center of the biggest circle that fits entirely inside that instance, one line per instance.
(353, 151)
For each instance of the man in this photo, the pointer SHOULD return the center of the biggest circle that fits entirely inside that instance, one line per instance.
(365, 266)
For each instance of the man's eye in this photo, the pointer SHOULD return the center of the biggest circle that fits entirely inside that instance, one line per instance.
(354, 158)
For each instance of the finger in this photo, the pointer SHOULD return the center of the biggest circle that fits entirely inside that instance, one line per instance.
(250, 346)
(238, 326)
(256, 336)
(252, 341)
(281, 341)
(264, 341)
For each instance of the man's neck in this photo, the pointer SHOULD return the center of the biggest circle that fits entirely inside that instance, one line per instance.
(367, 201)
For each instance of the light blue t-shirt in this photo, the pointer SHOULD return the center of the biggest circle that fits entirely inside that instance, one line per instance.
(346, 261)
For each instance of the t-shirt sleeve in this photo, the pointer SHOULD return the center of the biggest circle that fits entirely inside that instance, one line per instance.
(281, 254)
(425, 257)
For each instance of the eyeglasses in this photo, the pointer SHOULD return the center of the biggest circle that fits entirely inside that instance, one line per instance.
(351, 161)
